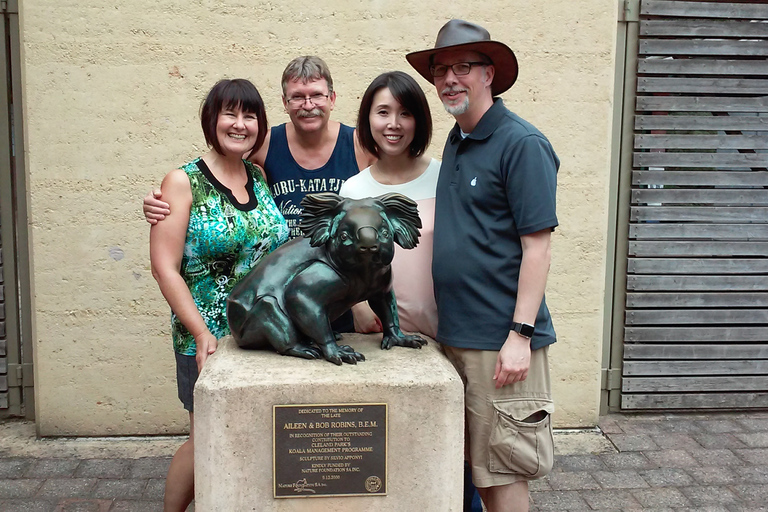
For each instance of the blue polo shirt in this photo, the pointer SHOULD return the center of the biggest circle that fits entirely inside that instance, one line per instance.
(495, 185)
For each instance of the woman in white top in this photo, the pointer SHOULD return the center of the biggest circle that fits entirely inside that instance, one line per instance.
(394, 123)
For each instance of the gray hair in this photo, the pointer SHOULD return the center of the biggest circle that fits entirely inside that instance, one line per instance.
(306, 68)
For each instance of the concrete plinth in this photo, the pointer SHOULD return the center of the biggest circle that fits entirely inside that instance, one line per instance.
(234, 400)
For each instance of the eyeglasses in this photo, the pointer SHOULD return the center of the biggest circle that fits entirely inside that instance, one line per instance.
(317, 100)
(459, 69)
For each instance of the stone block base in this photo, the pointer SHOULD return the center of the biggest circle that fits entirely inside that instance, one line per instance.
(234, 400)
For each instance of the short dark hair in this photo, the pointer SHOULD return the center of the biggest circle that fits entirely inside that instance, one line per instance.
(408, 93)
(237, 93)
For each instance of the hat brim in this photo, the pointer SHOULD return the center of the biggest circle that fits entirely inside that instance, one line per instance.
(503, 58)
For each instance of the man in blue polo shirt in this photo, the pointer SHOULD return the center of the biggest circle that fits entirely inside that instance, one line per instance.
(495, 211)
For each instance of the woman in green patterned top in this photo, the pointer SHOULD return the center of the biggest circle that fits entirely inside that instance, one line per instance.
(223, 222)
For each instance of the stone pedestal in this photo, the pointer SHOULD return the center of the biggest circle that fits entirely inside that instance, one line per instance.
(234, 400)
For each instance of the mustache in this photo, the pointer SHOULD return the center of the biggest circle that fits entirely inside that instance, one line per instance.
(315, 112)
(448, 90)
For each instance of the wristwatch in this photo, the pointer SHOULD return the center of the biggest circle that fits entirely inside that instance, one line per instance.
(524, 330)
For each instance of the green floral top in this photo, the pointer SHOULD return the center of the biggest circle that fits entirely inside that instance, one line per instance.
(225, 240)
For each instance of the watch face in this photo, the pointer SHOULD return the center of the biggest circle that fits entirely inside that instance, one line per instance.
(526, 330)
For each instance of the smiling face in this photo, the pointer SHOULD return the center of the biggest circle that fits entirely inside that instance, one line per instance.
(468, 93)
(392, 126)
(236, 131)
(308, 115)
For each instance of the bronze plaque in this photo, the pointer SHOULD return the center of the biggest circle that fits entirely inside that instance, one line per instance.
(329, 450)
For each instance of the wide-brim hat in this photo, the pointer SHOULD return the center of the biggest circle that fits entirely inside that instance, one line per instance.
(463, 35)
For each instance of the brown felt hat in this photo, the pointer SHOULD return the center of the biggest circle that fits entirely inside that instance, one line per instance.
(463, 35)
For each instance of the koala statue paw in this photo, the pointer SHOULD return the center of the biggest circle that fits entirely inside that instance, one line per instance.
(404, 340)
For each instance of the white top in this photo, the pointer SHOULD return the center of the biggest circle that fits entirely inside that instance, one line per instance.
(411, 269)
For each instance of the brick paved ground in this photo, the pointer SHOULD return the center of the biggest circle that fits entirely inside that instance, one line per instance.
(670, 462)
(716, 462)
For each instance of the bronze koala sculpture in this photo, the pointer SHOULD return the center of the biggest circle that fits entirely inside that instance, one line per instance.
(289, 299)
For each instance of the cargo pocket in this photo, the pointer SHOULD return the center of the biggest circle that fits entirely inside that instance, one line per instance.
(521, 437)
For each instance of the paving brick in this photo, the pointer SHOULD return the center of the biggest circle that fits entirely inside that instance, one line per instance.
(715, 457)
(600, 500)
(609, 426)
(754, 439)
(83, 505)
(558, 500)
(680, 425)
(666, 477)
(703, 508)
(572, 481)
(754, 424)
(150, 467)
(671, 459)
(754, 474)
(753, 455)
(757, 493)
(718, 441)
(720, 426)
(624, 479)
(104, 468)
(633, 442)
(27, 506)
(125, 488)
(704, 495)
(629, 460)
(137, 506)
(713, 475)
(579, 462)
(14, 467)
(155, 489)
(67, 488)
(675, 441)
(52, 468)
(19, 488)
(661, 497)
(641, 427)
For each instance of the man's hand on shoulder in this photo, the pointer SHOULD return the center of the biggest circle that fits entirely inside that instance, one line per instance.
(513, 361)
(155, 209)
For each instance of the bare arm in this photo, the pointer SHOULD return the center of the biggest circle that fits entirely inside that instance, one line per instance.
(166, 247)
(366, 320)
(260, 156)
(515, 356)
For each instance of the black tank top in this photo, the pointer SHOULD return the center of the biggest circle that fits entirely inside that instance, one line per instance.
(289, 182)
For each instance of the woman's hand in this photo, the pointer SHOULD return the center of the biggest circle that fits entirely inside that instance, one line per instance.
(206, 345)
(154, 209)
(366, 320)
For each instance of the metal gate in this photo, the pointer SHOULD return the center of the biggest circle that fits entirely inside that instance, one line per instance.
(16, 397)
(693, 314)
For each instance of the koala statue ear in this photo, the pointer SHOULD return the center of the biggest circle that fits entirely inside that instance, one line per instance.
(319, 211)
(403, 213)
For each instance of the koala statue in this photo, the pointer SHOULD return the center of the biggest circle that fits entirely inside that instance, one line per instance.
(287, 302)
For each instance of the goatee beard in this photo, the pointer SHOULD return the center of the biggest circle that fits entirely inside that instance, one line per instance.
(457, 110)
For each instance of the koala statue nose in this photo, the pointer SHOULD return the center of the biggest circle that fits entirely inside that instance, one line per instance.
(368, 239)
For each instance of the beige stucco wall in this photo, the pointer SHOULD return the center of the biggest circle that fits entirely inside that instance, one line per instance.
(111, 95)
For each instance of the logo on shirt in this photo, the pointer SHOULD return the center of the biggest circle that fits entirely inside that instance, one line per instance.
(474, 181)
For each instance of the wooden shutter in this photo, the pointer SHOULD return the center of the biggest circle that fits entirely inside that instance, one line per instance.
(696, 319)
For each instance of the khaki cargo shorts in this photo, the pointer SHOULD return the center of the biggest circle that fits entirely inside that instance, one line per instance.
(508, 431)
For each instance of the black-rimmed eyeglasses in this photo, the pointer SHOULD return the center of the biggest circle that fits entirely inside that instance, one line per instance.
(459, 69)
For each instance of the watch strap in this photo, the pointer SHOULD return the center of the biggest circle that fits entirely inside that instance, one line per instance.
(523, 329)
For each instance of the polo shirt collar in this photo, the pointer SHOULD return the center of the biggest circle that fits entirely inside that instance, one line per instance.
(487, 124)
